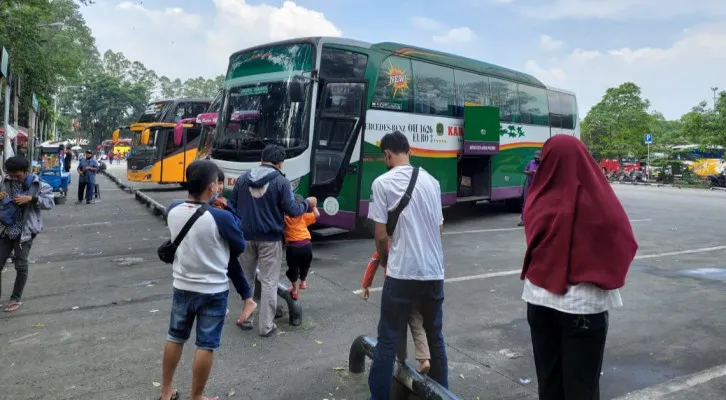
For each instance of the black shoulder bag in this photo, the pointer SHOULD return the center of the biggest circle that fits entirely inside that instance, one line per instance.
(167, 250)
(396, 212)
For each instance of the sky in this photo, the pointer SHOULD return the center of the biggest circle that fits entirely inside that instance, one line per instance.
(675, 50)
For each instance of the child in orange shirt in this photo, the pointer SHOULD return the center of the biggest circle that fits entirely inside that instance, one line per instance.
(415, 320)
(299, 251)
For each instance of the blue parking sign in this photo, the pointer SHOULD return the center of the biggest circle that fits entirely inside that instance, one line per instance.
(648, 138)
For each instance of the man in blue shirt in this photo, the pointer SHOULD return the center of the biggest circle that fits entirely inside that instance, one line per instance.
(261, 198)
(87, 168)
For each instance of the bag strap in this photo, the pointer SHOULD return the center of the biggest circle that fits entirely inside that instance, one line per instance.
(200, 211)
(403, 203)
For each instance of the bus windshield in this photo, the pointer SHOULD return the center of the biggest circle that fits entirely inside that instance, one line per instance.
(147, 149)
(256, 115)
(154, 111)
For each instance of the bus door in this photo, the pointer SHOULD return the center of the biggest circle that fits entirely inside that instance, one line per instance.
(172, 157)
(339, 123)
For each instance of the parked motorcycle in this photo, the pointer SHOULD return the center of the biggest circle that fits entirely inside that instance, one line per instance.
(717, 180)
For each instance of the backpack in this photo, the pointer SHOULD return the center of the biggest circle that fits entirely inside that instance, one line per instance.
(9, 211)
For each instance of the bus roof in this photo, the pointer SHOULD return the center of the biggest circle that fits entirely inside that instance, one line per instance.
(419, 53)
(180, 99)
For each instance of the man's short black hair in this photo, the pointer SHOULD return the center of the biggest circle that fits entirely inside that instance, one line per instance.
(395, 142)
(220, 175)
(17, 164)
(89, 152)
(200, 174)
(273, 154)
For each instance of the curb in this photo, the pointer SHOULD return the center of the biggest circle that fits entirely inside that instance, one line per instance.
(645, 184)
(156, 208)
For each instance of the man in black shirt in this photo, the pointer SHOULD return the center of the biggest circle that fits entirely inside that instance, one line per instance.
(67, 160)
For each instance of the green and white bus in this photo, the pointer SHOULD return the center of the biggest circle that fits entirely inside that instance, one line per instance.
(329, 101)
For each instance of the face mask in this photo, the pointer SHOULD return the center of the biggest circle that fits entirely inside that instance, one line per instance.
(214, 197)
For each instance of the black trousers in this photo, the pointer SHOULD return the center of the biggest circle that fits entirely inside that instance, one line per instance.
(22, 250)
(298, 262)
(568, 352)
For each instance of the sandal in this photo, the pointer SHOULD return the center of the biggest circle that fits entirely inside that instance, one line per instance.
(303, 285)
(174, 395)
(13, 306)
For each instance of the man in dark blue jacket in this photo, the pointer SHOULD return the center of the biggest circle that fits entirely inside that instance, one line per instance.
(262, 197)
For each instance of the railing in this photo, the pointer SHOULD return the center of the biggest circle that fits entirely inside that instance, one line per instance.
(420, 385)
(294, 307)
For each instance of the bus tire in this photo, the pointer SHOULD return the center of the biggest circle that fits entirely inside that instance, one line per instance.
(366, 228)
(513, 205)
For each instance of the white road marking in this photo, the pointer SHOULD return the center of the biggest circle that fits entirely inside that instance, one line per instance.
(677, 384)
(518, 271)
(463, 232)
(677, 253)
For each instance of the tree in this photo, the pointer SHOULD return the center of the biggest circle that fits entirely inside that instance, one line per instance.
(706, 127)
(35, 59)
(615, 126)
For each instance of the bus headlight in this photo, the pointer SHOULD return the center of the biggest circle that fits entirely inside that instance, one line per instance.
(295, 183)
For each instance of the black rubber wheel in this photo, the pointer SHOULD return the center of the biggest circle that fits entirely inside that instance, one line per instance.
(513, 205)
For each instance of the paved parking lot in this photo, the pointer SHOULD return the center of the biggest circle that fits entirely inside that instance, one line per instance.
(668, 340)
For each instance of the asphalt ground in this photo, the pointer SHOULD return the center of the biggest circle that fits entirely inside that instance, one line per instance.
(97, 305)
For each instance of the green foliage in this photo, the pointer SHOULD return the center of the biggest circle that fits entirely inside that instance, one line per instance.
(706, 127)
(615, 126)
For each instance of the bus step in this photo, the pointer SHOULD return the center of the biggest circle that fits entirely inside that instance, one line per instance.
(472, 198)
(328, 231)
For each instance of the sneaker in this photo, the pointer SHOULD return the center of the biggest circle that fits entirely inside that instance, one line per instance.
(520, 224)
(272, 332)
(91, 202)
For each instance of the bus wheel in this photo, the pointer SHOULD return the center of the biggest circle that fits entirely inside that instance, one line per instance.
(366, 228)
(513, 205)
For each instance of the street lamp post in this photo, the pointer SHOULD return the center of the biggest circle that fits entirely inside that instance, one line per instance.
(714, 89)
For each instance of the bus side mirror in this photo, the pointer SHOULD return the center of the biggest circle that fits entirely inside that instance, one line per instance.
(296, 91)
(145, 137)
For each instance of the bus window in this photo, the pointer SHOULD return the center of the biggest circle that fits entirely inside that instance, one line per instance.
(189, 110)
(504, 96)
(533, 107)
(393, 86)
(568, 111)
(471, 90)
(433, 89)
(171, 147)
(553, 101)
(338, 64)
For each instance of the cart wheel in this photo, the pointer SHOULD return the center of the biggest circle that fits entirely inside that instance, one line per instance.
(98, 192)
(60, 200)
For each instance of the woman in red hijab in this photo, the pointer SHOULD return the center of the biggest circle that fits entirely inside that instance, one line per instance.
(579, 247)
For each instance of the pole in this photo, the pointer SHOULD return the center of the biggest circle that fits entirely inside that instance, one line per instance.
(6, 116)
(55, 116)
(647, 167)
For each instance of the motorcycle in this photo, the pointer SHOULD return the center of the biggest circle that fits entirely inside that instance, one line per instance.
(717, 180)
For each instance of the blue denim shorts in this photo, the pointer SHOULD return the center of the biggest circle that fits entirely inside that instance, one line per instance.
(209, 310)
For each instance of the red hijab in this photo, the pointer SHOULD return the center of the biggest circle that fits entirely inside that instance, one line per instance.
(577, 231)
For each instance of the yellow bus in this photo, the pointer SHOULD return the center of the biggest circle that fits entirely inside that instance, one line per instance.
(159, 152)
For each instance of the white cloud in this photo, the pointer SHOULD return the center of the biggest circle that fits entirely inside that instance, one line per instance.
(674, 78)
(442, 33)
(427, 24)
(178, 43)
(549, 43)
(620, 9)
(456, 35)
